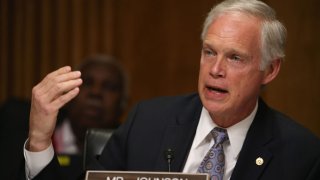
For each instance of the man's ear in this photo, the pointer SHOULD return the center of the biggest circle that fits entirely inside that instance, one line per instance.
(271, 71)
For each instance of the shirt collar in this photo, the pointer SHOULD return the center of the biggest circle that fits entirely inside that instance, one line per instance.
(236, 133)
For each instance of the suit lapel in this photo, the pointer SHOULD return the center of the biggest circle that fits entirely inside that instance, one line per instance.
(253, 158)
(179, 136)
(255, 155)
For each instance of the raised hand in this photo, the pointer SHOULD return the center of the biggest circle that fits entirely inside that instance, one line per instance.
(54, 91)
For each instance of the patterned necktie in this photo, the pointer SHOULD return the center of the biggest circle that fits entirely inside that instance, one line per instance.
(213, 162)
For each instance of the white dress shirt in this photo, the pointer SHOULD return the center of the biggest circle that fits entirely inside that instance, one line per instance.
(203, 141)
(36, 161)
(65, 143)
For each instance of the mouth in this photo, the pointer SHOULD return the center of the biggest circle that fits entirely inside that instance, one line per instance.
(215, 89)
(91, 111)
(93, 108)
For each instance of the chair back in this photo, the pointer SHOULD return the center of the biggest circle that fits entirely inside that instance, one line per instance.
(94, 142)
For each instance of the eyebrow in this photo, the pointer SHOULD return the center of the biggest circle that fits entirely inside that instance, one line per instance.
(228, 50)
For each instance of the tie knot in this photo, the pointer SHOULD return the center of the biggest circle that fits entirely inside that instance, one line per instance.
(219, 135)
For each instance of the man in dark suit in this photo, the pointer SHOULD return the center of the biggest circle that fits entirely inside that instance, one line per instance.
(243, 46)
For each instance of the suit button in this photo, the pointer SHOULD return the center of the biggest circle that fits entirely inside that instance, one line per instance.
(259, 161)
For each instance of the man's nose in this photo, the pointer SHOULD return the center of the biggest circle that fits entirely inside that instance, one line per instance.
(96, 89)
(218, 68)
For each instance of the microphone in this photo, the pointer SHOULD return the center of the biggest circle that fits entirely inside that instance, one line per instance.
(169, 155)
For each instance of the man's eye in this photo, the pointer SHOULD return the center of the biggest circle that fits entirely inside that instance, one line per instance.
(208, 52)
(87, 82)
(111, 87)
(235, 58)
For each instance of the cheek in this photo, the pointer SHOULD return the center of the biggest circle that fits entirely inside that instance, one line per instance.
(247, 84)
(203, 72)
(83, 94)
(111, 99)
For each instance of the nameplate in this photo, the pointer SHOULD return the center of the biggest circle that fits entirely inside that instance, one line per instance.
(141, 175)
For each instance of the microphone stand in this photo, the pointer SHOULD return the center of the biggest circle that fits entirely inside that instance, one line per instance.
(169, 155)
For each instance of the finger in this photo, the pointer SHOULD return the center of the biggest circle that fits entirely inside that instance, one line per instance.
(65, 98)
(55, 82)
(60, 71)
(68, 76)
(62, 88)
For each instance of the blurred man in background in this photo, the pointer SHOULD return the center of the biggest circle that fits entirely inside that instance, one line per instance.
(100, 104)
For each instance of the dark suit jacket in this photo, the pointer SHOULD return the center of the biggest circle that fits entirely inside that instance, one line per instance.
(289, 151)
(14, 115)
(14, 127)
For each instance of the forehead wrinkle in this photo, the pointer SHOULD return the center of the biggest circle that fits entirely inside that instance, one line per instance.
(230, 31)
(227, 48)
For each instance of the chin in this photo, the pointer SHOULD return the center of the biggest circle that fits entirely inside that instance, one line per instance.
(214, 106)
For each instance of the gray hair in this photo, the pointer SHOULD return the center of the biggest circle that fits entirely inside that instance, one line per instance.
(273, 32)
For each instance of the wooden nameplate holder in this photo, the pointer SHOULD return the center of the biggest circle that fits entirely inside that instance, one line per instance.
(142, 175)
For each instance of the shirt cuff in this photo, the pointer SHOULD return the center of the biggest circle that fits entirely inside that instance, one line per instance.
(37, 161)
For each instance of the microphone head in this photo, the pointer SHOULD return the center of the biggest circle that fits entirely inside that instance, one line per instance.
(169, 154)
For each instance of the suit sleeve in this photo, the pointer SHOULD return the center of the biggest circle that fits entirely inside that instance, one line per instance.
(51, 171)
(315, 171)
